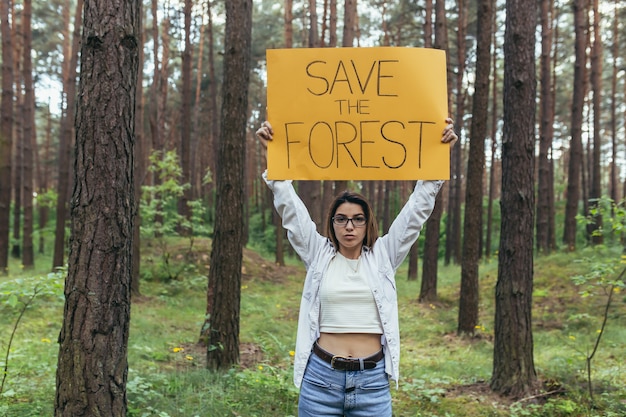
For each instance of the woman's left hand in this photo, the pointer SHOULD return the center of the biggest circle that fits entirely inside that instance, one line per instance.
(449, 135)
(265, 133)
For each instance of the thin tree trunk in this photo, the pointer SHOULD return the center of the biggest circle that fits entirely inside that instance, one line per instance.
(332, 24)
(44, 174)
(65, 139)
(428, 23)
(428, 289)
(388, 195)
(279, 232)
(328, 192)
(6, 134)
(576, 149)
(613, 177)
(140, 162)
(156, 79)
(159, 91)
(546, 134)
(595, 189)
(18, 143)
(288, 32)
(494, 135)
(453, 225)
(196, 169)
(313, 32)
(473, 222)
(413, 270)
(623, 238)
(349, 23)
(222, 324)
(209, 153)
(552, 208)
(185, 128)
(430, 239)
(311, 191)
(29, 135)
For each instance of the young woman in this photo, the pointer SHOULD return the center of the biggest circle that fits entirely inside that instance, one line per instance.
(348, 339)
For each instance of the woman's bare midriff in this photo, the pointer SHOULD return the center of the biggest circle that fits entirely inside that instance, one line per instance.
(355, 345)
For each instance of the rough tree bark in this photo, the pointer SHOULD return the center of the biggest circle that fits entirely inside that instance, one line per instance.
(513, 365)
(473, 222)
(92, 366)
(223, 295)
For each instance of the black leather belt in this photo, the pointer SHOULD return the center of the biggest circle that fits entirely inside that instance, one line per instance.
(347, 364)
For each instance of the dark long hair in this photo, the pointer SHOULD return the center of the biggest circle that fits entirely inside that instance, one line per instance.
(371, 232)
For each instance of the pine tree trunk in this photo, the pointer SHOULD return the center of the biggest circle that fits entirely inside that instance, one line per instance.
(473, 222)
(494, 142)
(139, 161)
(92, 366)
(65, 139)
(595, 188)
(196, 169)
(226, 256)
(428, 289)
(613, 176)
(576, 147)
(288, 31)
(349, 23)
(431, 246)
(513, 364)
(29, 141)
(185, 127)
(544, 161)
(413, 262)
(332, 23)
(43, 183)
(453, 224)
(209, 154)
(18, 144)
(6, 134)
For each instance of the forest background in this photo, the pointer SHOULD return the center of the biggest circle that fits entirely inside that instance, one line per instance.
(578, 144)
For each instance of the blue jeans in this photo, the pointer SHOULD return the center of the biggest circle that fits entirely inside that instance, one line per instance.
(329, 392)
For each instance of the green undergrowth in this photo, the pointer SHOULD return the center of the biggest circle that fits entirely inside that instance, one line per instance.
(442, 374)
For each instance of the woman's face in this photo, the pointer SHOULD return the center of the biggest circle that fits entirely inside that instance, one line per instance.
(350, 236)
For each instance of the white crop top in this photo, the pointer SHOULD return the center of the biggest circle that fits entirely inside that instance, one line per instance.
(347, 303)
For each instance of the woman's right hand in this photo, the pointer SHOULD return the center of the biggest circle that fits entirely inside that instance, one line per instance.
(265, 133)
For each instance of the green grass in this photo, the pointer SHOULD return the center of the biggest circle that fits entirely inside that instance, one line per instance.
(442, 374)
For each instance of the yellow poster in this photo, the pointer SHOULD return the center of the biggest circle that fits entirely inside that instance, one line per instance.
(357, 114)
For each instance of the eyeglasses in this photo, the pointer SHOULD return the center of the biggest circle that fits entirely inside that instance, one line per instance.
(357, 221)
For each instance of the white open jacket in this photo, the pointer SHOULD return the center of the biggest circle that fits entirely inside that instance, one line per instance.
(379, 262)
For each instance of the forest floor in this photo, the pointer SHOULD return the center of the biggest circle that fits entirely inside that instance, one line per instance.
(442, 373)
